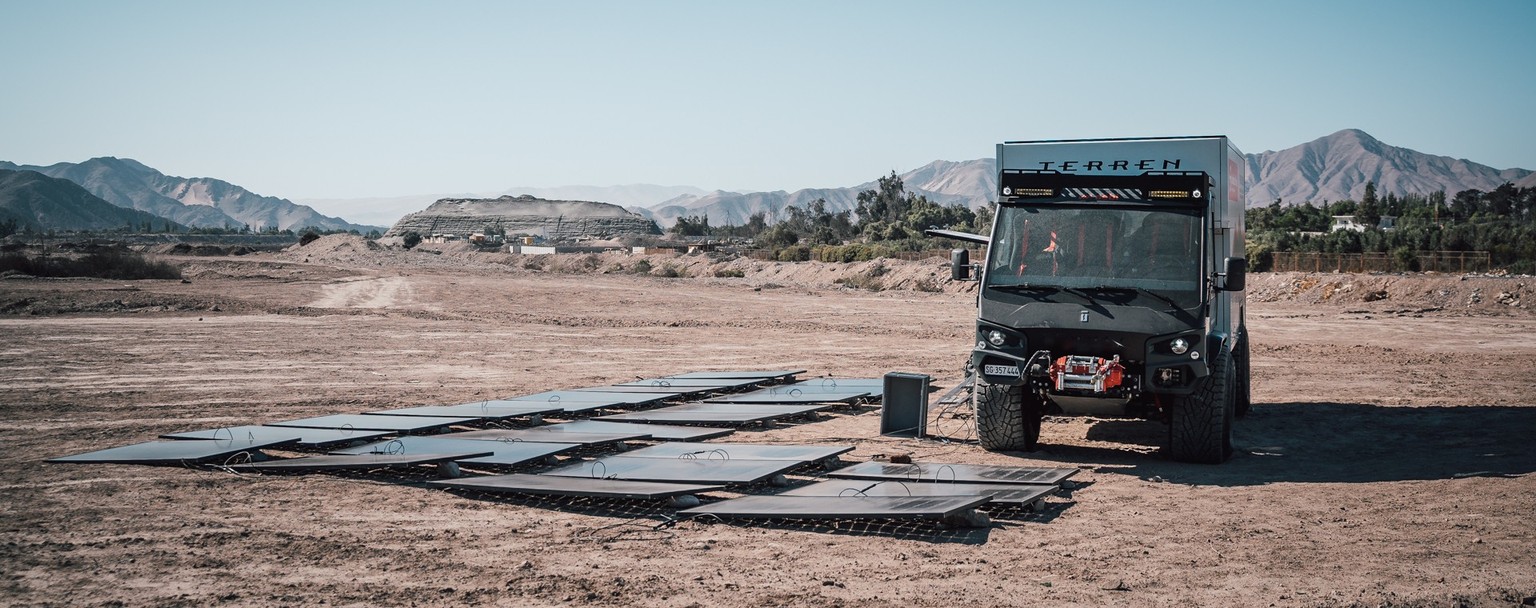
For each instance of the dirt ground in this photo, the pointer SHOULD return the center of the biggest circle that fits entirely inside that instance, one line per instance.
(1388, 459)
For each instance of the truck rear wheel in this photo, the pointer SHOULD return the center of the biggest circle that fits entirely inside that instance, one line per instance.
(1007, 417)
(1242, 381)
(1200, 424)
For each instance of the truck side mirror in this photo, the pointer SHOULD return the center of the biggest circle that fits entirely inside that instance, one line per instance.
(960, 264)
(1235, 274)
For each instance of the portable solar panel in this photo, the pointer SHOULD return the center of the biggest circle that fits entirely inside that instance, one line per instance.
(308, 438)
(175, 452)
(551, 485)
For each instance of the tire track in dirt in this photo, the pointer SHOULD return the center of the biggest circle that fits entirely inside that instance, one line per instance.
(383, 292)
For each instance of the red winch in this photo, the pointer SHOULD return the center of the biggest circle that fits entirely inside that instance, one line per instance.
(1084, 373)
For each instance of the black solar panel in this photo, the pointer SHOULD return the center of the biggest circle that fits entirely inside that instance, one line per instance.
(334, 462)
(742, 375)
(714, 384)
(740, 451)
(550, 485)
(516, 409)
(614, 398)
(366, 422)
(307, 438)
(677, 470)
(657, 432)
(788, 396)
(503, 453)
(671, 392)
(713, 413)
(175, 452)
(537, 434)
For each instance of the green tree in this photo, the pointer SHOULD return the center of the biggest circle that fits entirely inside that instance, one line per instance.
(410, 239)
(1368, 214)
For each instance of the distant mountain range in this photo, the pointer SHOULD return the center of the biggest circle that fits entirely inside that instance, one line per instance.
(198, 202)
(1329, 168)
(39, 203)
(1338, 166)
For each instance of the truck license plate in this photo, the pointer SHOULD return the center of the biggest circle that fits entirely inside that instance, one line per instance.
(1000, 370)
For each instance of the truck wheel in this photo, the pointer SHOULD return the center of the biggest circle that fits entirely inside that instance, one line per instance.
(1200, 424)
(1007, 417)
(1242, 382)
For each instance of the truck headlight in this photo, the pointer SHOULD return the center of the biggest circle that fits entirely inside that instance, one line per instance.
(996, 338)
(1179, 346)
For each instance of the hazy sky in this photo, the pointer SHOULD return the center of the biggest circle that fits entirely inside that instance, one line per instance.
(355, 99)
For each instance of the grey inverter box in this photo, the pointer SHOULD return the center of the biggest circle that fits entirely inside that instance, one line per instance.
(904, 407)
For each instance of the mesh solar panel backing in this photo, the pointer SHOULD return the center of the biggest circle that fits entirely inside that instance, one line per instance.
(714, 413)
(958, 473)
(366, 422)
(1004, 494)
(658, 432)
(354, 462)
(308, 438)
(475, 410)
(833, 507)
(174, 452)
(742, 451)
(783, 374)
(537, 434)
(549, 485)
(677, 470)
(503, 453)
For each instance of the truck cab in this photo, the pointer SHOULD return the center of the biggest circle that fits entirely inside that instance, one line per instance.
(1113, 285)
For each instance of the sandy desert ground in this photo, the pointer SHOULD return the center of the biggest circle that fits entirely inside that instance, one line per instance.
(1387, 462)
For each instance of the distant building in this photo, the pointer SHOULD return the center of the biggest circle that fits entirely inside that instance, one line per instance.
(1347, 222)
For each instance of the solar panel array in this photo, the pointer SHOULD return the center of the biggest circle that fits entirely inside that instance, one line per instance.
(675, 414)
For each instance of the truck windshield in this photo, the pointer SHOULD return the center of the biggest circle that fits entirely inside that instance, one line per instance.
(1146, 257)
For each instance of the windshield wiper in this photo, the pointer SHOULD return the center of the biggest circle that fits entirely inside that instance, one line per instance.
(1026, 287)
(1083, 293)
(1139, 290)
(1043, 290)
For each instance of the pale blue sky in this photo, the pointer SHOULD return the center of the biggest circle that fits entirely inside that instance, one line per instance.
(355, 99)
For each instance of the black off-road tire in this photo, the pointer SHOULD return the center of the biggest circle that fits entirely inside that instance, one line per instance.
(1243, 382)
(1007, 417)
(1200, 424)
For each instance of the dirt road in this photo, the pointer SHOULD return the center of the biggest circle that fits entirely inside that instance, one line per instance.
(1388, 459)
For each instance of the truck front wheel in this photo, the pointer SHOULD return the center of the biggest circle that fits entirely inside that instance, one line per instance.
(1007, 417)
(1200, 424)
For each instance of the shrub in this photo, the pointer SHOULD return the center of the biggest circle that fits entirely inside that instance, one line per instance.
(795, 253)
(855, 252)
(732, 273)
(104, 264)
(308, 237)
(410, 239)
(671, 272)
(862, 281)
(641, 267)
